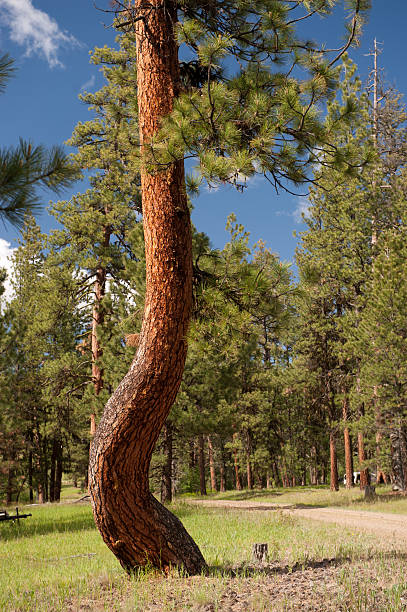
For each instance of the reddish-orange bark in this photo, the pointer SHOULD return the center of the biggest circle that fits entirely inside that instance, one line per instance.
(135, 526)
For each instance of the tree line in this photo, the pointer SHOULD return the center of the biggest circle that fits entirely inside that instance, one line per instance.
(286, 381)
(283, 377)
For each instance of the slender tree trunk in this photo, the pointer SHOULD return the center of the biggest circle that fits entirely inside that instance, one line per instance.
(201, 462)
(58, 471)
(134, 525)
(351, 457)
(44, 470)
(364, 474)
(313, 467)
(238, 484)
(348, 446)
(249, 470)
(276, 474)
(30, 476)
(52, 471)
(10, 479)
(222, 468)
(166, 477)
(212, 471)
(249, 475)
(334, 463)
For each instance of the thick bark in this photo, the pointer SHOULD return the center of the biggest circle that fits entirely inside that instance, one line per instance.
(166, 476)
(134, 525)
(201, 463)
(212, 470)
(334, 463)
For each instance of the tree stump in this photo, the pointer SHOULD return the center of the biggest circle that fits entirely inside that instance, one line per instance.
(259, 553)
(370, 493)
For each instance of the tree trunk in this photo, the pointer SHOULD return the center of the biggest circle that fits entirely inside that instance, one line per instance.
(212, 471)
(249, 475)
(201, 462)
(364, 474)
(52, 471)
(238, 483)
(222, 468)
(334, 463)
(276, 474)
(58, 472)
(30, 476)
(348, 447)
(97, 321)
(398, 441)
(348, 458)
(134, 525)
(166, 477)
(10, 478)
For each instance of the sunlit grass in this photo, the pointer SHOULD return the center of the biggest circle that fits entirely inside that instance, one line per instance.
(314, 497)
(56, 559)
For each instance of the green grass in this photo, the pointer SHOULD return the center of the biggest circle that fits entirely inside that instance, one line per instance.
(314, 497)
(56, 561)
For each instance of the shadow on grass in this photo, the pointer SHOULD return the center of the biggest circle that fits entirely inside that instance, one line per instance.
(43, 525)
(270, 569)
(245, 495)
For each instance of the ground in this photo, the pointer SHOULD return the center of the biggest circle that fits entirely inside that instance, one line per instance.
(57, 561)
(381, 523)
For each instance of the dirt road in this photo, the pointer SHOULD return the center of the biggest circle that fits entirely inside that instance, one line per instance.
(390, 525)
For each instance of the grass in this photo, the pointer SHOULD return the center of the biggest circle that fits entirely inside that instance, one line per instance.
(56, 561)
(314, 497)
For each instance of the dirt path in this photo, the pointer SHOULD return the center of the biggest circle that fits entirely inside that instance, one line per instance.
(390, 525)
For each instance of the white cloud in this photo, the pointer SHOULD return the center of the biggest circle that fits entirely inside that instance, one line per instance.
(89, 84)
(301, 210)
(5, 253)
(34, 30)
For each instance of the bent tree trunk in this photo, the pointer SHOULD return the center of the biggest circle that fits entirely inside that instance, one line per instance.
(134, 525)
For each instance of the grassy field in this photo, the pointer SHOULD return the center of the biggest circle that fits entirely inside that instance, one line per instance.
(56, 560)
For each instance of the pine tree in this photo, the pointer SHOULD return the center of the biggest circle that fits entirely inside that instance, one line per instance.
(101, 234)
(261, 119)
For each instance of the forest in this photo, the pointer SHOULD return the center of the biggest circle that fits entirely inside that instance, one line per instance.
(295, 375)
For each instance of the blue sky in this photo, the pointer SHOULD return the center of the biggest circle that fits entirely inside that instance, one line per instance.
(50, 41)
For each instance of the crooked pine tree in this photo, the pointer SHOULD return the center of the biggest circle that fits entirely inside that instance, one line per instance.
(260, 120)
